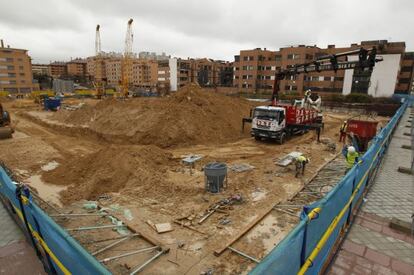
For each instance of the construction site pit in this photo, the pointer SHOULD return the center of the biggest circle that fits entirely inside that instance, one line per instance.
(111, 173)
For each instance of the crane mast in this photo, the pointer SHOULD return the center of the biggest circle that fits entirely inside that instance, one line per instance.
(98, 41)
(99, 83)
(126, 62)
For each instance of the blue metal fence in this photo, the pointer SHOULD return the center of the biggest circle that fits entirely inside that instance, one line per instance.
(60, 253)
(305, 250)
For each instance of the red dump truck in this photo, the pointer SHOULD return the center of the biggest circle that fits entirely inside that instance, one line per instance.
(282, 121)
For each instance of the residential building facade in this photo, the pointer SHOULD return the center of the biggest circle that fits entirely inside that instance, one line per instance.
(254, 70)
(15, 70)
(40, 69)
(57, 69)
(77, 67)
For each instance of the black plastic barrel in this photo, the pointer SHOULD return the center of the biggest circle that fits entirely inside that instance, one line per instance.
(215, 174)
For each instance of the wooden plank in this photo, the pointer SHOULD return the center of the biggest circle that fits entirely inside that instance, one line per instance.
(220, 250)
(149, 238)
(163, 227)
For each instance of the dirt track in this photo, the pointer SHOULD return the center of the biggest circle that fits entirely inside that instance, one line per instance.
(151, 181)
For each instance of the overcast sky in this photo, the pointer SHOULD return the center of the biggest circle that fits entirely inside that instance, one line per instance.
(61, 29)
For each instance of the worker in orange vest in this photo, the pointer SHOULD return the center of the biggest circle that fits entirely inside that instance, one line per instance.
(342, 131)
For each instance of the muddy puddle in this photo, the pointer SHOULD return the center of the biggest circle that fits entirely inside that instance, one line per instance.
(48, 192)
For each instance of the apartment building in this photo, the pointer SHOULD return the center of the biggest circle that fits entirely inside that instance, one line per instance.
(40, 69)
(406, 75)
(254, 70)
(15, 70)
(144, 73)
(57, 69)
(77, 67)
(204, 71)
(163, 75)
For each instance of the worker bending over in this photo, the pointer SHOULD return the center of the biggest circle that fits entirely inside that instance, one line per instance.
(351, 157)
(300, 163)
(342, 132)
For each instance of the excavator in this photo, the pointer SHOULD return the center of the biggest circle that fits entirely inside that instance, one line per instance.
(6, 130)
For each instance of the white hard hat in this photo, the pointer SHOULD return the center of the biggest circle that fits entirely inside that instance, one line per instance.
(351, 149)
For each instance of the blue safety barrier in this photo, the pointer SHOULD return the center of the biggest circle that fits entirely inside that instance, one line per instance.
(291, 254)
(59, 252)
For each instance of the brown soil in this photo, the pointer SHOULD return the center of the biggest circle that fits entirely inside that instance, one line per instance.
(149, 180)
(191, 116)
(140, 169)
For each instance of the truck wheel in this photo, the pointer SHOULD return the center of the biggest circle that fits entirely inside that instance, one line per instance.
(282, 138)
(257, 138)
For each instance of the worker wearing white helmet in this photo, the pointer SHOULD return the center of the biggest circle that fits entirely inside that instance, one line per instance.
(351, 157)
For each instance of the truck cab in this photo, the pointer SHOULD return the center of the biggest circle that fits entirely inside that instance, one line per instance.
(269, 122)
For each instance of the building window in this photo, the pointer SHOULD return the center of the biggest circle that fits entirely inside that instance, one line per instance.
(404, 80)
(21, 74)
(11, 74)
(278, 57)
(290, 88)
(327, 78)
(406, 69)
(309, 56)
(314, 78)
(10, 67)
(23, 81)
(12, 81)
(293, 56)
(337, 78)
(9, 59)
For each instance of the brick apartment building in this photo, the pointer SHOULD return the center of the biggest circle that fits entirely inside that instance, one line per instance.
(40, 69)
(15, 70)
(58, 69)
(77, 67)
(254, 70)
(204, 71)
(406, 76)
(144, 73)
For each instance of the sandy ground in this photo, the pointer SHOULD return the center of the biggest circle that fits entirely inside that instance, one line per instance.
(47, 156)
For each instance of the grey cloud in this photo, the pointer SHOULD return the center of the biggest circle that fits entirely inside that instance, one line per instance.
(215, 28)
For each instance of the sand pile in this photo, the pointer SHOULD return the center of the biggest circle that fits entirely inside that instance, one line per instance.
(138, 169)
(191, 116)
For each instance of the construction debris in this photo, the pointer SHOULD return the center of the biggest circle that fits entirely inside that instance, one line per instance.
(242, 167)
(288, 159)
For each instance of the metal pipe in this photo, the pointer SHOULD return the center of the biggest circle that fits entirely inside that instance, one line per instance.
(107, 239)
(93, 227)
(286, 212)
(78, 215)
(147, 262)
(243, 254)
(128, 254)
(112, 245)
(289, 205)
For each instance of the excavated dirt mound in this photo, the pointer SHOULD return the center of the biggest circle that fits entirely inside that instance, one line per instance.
(137, 169)
(190, 116)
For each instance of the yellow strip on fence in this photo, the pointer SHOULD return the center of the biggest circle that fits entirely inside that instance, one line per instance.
(336, 220)
(36, 235)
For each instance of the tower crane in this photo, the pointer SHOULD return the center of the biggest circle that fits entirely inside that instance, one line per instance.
(126, 62)
(99, 80)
